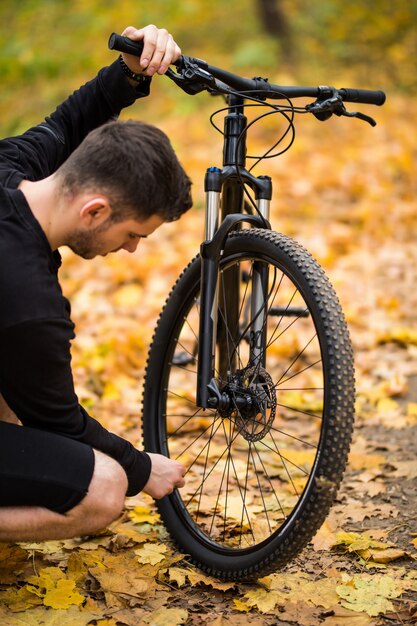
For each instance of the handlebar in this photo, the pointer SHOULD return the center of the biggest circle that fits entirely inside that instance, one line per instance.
(124, 44)
(206, 77)
(364, 96)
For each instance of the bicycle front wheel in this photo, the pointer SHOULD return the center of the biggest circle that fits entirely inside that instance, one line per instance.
(262, 472)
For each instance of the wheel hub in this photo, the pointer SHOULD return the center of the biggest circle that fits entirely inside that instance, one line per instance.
(249, 399)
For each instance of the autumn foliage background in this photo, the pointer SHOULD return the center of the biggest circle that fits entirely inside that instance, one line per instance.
(344, 190)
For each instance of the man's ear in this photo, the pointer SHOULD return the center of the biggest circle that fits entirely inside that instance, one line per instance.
(95, 211)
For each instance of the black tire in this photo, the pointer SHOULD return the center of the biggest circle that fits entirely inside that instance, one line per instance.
(258, 487)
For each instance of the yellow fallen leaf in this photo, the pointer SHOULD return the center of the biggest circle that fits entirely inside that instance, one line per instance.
(414, 542)
(45, 547)
(45, 580)
(324, 538)
(54, 588)
(121, 582)
(131, 534)
(151, 553)
(355, 542)
(241, 606)
(264, 601)
(383, 556)
(299, 588)
(17, 600)
(63, 595)
(177, 575)
(142, 515)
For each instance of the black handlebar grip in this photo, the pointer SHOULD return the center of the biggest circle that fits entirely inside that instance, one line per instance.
(124, 44)
(364, 96)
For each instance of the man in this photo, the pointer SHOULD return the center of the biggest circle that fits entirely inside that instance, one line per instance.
(96, 185)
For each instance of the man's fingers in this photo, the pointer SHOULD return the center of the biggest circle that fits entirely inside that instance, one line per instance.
(150, 40)
(159, 50)
(172, 52)
(162, 50)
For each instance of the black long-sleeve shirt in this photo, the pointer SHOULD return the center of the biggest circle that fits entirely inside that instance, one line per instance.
(35, 324)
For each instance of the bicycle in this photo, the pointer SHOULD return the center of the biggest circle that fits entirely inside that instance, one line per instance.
(250, 379)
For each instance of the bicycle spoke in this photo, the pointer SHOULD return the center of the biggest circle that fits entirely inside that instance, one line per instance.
(270, 483)
(260, 489)
(214, 466)
(282, 432)
(311, 365)
(244, 491)
(296, 358)
(296, 410)
(188, 418)
(226, 465)
(283, 458)
(180, 397)
(194, 440)
(204, 470)
(199, 454)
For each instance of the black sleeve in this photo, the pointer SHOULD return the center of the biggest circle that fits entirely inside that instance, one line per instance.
(42, 149)
(36, 382)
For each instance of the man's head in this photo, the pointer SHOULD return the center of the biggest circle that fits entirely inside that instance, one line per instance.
(133, 166)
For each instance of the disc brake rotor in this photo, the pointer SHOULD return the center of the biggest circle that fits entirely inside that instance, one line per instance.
(256, 420)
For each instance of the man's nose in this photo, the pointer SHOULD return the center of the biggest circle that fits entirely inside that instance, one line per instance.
(131, 245)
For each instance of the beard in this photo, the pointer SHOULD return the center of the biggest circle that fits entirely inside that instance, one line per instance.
(86, 243)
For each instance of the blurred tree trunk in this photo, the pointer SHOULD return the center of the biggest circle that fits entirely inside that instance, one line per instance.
(274, 22)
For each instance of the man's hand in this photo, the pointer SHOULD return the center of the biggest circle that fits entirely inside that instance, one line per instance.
(159, 50)
(165, 476)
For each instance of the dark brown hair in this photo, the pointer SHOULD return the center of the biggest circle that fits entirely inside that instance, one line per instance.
(135, 165)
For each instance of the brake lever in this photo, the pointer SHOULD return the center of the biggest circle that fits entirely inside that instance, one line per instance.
(360, 116)
(192, 78)
(324, 109)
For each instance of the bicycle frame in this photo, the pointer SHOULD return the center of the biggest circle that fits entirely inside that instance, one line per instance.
(224, 198)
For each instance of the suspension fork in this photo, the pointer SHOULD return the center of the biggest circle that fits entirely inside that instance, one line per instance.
(259, 303)
(213, 331)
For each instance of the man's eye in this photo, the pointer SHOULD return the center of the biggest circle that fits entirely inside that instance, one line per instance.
(133, 236)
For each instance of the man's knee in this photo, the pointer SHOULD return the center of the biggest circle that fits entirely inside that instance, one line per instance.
(106, 493)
